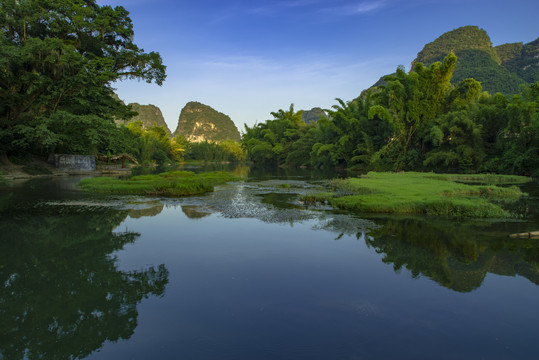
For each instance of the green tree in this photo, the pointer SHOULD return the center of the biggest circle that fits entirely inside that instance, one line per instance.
(62, 56)
(458, 143)
(409, 102)
(271, 142)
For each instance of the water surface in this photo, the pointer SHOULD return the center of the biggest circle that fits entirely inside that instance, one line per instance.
(248, 272)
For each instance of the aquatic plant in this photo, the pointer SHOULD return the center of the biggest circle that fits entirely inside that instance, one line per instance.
(172, 183)
(421, 193)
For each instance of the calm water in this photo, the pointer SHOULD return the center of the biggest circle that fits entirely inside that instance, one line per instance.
(248, 272)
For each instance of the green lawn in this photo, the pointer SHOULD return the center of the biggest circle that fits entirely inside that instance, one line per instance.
(173, 183)
(423, 193)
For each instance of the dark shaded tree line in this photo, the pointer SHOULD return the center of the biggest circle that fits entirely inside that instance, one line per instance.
(416, 121)
(58, 59)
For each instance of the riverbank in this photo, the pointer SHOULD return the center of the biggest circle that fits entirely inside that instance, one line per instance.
(36, 167)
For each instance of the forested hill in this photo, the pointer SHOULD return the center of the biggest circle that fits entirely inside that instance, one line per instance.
(503, 68)
(149, 115)
(199, 122)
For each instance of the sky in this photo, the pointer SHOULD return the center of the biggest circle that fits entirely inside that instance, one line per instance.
(248, 58)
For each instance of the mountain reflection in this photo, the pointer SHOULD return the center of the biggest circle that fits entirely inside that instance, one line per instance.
(63, 295)
(454, 255)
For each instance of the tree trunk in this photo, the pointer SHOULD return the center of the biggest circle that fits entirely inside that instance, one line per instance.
(4, 159)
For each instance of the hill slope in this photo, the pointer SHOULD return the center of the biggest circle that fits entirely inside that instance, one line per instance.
(522, 59)
(199, 122)
(499, 69)
(149, 115)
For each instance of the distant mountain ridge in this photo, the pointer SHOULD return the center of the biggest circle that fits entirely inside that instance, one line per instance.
(199, 122)
(503, 68)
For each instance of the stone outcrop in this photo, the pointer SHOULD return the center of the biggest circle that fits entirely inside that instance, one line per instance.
(199, 122)
(313, 115)
(149, 115)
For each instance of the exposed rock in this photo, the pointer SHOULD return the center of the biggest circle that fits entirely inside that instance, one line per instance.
(313, 115)
(149, 115)
(199, 122)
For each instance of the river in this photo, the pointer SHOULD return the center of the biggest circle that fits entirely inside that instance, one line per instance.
(249, 272)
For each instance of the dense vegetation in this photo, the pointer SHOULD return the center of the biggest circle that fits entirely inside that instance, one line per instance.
(58, 61)
(526, 63)
(417, 121)
(493, 77)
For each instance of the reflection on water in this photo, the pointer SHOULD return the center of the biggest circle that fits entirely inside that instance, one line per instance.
(152, 208)
(63, 295)
(451, 254)
(256, 274)
(193, 212)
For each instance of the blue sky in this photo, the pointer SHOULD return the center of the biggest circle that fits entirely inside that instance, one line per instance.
(247, 58)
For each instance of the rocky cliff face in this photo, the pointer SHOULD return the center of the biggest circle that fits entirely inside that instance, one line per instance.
(149, 115)
(199, 122)
(313, 115)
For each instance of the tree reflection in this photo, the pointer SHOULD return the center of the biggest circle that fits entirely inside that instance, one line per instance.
(454, 255)
(63, 295)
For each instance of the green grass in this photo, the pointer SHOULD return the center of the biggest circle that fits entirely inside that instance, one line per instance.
(485, 179)
(420, 193)
(173, 183)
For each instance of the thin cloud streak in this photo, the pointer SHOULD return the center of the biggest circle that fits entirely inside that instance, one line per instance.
(362, 8)
(321, 6)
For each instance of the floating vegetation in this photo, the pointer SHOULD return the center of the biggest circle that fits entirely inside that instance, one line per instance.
(422, 193)
(172, 183)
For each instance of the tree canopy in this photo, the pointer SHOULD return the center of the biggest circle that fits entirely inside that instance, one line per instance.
(415, 121)
(59, 59)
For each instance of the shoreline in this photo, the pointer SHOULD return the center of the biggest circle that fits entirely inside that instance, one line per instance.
(14, 172)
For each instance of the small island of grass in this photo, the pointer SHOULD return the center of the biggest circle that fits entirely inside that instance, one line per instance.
(172, 183)
(424, 193)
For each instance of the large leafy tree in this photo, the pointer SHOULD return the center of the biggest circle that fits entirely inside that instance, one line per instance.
(270, 142)
(58, 59)
(410, 101)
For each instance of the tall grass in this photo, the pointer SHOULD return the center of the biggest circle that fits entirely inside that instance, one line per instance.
(418, 193)
(173, 183)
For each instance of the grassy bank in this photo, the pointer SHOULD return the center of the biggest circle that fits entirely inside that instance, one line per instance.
(422, 193)
(172, 183)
